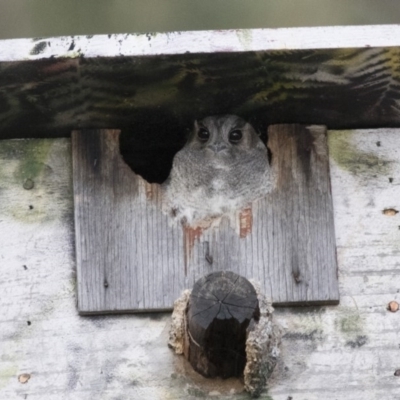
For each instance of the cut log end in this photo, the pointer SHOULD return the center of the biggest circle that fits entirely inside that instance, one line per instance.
(209, 329)
(220, 309)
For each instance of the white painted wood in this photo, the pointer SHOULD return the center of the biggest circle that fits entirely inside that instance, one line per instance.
(343, 352)
(236, 40)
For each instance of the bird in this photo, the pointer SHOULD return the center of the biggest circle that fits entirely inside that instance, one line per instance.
(223, 167)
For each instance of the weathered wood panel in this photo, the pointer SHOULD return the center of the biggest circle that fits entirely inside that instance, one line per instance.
(133, 257)
(344, 352)
(301, 235)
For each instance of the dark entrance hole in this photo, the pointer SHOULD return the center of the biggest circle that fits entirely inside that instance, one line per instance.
(148, 146)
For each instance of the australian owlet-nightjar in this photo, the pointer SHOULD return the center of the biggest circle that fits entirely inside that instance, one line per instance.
(223, 167)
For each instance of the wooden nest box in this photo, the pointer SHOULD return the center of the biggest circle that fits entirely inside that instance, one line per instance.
(129, 101)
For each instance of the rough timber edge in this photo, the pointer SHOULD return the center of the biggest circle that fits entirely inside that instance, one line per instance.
(240, 40)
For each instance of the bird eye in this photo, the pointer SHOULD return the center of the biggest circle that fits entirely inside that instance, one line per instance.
(203, 134)
(235, 136)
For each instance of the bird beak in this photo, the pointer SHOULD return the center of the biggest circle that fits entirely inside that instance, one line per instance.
(217, 147)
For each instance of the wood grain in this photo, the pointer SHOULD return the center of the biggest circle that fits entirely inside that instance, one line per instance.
(301, 222)
(133, 257)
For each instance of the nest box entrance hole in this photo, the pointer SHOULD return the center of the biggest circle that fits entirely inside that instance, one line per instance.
(149, 145)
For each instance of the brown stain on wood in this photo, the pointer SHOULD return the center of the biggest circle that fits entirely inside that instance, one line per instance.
(152, 192)
(148, 187)
(190, 235)
(246, 222)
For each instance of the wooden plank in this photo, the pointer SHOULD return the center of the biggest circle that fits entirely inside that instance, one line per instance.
(133, 257)
(211, 41)
(335, 76)
(302, 218)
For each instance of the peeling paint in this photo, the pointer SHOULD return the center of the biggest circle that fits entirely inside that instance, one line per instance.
(190, 235)
(38, 48)
(246, 222)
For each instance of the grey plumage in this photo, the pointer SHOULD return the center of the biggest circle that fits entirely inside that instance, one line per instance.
(223, 167)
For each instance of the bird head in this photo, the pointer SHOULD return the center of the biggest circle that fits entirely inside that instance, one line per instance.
(223, 136)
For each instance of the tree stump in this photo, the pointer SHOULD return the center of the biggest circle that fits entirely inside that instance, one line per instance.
(221, 307)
